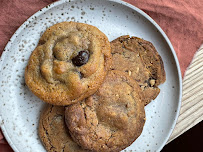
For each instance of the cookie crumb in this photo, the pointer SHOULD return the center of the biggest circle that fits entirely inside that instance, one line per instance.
(152, 82)
(142, 87)
(129, 73)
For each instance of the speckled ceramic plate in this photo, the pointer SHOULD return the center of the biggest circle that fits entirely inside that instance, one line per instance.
(20, 109)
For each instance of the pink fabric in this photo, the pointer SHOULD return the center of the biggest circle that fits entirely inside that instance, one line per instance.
(180, 19)
(13, 14)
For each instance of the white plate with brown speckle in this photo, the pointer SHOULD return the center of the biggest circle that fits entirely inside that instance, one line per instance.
(20, 109)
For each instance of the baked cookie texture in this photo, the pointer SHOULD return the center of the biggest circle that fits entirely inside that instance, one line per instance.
(141, 61)
(69, 63)
(53, 131)
(111, 119)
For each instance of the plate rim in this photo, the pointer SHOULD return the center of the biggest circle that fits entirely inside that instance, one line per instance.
(55, 4)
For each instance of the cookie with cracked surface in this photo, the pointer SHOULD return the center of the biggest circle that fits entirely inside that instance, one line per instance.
(53, 131)
(69, 63)
(141, 61)
(112, 118)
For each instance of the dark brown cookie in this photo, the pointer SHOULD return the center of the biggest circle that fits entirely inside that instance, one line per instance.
(54, 133)
(111, 119)
(69, 63)
(141, 61)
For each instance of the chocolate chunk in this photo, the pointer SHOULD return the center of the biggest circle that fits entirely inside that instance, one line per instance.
(82, 58)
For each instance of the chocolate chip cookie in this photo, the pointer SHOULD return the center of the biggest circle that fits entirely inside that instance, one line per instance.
(54, 133)
(140, 60)
(69, 63)
(112, 118)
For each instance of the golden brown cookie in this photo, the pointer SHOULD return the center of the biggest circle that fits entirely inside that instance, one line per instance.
(53, 131)
(141, 61)
(111, 119)
(69, 63)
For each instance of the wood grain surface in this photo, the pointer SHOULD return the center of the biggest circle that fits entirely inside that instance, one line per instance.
(191, 112)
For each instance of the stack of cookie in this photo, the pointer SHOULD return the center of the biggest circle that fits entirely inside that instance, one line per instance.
(96, 90)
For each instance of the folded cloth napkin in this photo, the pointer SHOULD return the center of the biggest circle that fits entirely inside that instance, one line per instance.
(4, 147)
(181, 20)
(1, 137)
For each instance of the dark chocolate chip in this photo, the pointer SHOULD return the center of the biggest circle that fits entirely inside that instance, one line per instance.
(82, 58)
(41, 42)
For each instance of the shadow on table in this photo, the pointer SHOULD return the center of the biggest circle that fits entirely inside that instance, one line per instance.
(190, 141)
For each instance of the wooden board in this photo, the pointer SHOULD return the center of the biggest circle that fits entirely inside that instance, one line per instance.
(191, 112)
